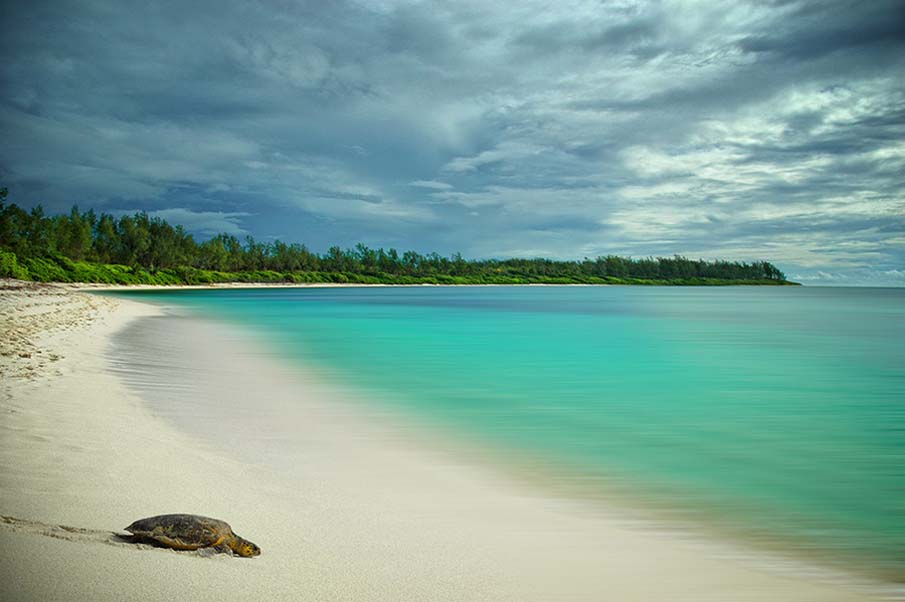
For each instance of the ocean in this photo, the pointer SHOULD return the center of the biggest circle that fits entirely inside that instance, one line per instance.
(776, 413)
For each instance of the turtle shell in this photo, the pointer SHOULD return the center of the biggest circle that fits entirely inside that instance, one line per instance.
(183, 531)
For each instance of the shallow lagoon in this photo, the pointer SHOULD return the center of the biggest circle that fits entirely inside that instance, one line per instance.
(778, 412)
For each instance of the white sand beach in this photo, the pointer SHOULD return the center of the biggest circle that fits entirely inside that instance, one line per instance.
(357, 512)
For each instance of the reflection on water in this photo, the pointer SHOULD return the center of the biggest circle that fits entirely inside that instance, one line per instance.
(779, 410)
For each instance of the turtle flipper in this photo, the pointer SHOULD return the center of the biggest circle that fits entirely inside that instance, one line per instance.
(175, 543)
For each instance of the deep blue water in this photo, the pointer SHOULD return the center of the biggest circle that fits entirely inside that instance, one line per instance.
(778, 409)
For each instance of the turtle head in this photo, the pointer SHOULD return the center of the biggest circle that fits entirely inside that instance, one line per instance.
(245, 548)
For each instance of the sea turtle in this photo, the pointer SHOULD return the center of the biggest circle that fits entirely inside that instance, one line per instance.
(192, 532)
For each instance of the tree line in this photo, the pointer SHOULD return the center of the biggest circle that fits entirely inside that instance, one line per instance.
(141, 248)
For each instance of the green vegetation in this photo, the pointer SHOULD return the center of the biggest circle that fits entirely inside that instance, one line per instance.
(139, 249)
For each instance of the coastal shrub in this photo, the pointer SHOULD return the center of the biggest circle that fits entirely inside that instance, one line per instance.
(167, 278)
(10, 268)
(191, 275)
(83, 271)
(119, 274)
(297, 277)
(127, 275)
(46, 270)
(265, 276)
(86, 272)
(303, 277)
(363, 278)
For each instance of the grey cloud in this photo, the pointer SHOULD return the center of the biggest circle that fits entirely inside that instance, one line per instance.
(204, 222)
(636, 37)
(431, 184)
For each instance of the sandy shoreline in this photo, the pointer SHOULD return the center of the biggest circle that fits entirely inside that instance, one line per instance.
(358, 515)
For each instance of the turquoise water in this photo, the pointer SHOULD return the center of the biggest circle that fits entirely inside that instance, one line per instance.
(778, 410)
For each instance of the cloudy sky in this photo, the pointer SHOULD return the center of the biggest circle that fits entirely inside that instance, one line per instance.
(772, 130)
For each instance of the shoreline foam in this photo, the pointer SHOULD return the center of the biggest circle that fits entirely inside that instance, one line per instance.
(363, 517)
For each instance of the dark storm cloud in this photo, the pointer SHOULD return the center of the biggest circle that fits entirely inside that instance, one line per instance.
(746, 130)
(819, 28)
